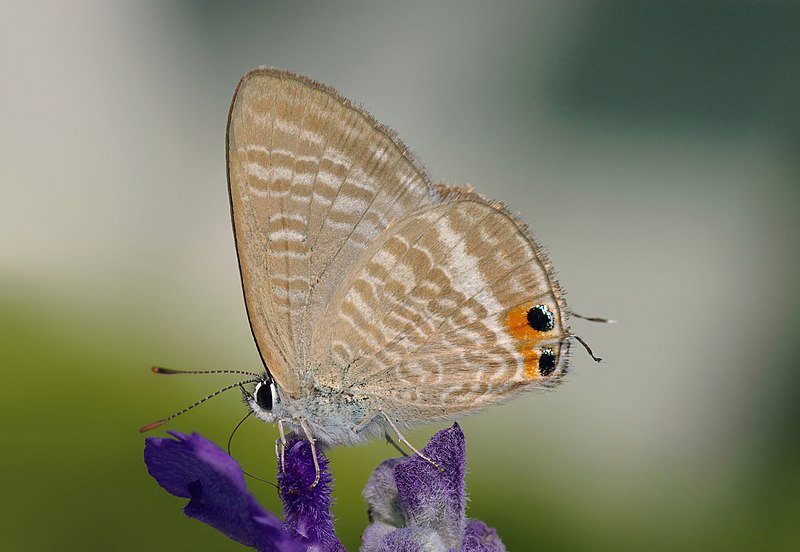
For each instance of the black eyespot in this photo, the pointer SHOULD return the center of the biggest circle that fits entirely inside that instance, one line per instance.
(264, 396)
(541, 319)
(547, 361)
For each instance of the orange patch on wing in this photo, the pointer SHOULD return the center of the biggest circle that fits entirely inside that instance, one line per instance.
(531, 361)
(528, 338)
(517, 322)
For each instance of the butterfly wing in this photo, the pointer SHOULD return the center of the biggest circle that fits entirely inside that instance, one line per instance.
(433, 319)
(313, 180)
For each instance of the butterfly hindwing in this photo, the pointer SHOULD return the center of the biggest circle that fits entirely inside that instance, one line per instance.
(434, 315)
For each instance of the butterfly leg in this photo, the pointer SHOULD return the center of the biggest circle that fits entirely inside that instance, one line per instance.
(409, 445)
(282, 433)
(366, 421)
(312, 442)
(403, 440)
(392, 442)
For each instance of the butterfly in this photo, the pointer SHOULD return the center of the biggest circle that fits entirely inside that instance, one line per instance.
(377, 299)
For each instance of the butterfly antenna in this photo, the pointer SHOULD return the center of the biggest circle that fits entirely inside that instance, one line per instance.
(594, 318)
(586, 346)
(159, 423)
(230, 439)
(170, 372)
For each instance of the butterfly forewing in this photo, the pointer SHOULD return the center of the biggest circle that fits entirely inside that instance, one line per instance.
(313, 181)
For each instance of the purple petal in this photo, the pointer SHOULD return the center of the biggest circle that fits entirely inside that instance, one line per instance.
(479, 538)
(307, 509)
(434, 499)
(373, 535)
(190, 466)
(412, 539)
(381, 495)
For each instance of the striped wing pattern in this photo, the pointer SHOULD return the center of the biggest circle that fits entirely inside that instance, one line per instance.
(424, 321)
(360, 277)
(313, 181)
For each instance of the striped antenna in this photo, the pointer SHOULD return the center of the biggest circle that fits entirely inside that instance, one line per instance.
(170, 372)
(586, 346)
(159, 423)
(594, 318)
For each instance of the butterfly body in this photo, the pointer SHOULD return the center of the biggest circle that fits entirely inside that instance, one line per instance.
(331, 415)
(369, 290)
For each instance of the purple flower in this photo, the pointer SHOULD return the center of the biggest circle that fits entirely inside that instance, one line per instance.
(415, 506)
(307, 509)
(412, 504)
(191, 466)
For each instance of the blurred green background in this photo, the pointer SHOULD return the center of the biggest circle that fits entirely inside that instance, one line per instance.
(653, 148)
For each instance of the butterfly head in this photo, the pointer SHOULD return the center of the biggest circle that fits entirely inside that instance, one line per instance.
(265, 400)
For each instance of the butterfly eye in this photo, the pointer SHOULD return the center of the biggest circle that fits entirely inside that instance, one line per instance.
(541, 319)
(547, 361)
(263, 395)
